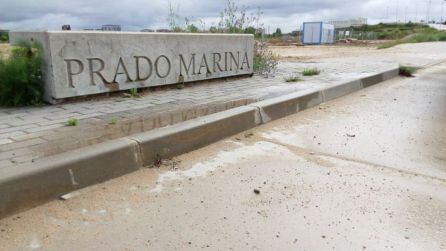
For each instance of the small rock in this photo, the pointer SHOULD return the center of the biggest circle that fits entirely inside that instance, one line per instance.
(249, 134)
(69, 195)
(256, 191)
(351, 135)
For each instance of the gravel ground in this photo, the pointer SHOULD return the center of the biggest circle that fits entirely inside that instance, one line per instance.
(411, 54)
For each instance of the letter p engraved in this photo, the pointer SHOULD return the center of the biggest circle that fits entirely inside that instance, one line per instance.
(71, 73)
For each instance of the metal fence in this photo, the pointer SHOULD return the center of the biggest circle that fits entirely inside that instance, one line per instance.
(360, 35)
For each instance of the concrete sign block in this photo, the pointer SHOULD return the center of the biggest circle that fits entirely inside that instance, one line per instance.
(79, 63)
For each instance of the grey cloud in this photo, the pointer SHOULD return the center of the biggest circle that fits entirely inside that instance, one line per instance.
(137, 14)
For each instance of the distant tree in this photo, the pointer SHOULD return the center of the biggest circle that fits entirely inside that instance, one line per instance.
(4, 37)
(277, 33)
(177, 29)
(192, 28)
(250, 30)
(213, 29)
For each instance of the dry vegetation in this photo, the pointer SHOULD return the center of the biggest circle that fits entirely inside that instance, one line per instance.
(5, 50)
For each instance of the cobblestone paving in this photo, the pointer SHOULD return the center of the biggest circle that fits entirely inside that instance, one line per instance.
(27, 134)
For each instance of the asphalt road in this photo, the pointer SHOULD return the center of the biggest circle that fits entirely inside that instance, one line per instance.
(363, 172)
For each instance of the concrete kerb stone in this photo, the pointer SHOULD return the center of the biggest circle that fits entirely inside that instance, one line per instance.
(283, 106)
(26, 186)
(275, 108)
(22, 187)
(380, 77)
(174, 140)
(341, 90)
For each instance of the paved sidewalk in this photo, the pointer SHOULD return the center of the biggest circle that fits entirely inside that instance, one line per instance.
(27, 134)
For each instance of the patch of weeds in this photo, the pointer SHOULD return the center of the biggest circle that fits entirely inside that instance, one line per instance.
(134, 92)
(180, 86)
(407, 71)
(265, 62)
(113, 121)
(389, 44)
(21, 81)
(293, 78)
(311, 72)
(71, 122)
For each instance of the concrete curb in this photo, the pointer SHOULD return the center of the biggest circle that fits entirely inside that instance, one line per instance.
(178, 139)
(26, 186)
(23, 187)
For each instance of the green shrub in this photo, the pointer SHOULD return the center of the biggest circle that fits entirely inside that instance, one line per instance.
(21, 76)
(311, 72)
(442, 37)
(258, 63)
(293, 78)
(134, 92)
(265, 62)
(71, 122)
(113, 121)
(4, 36)
(407, 71)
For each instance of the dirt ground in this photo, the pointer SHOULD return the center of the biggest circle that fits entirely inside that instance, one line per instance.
(320, 51)
(417, 54)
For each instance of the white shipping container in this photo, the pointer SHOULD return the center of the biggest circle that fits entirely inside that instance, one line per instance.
(317, 33)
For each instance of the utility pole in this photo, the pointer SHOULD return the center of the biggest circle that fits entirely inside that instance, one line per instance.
(428, 11)
(442, 6)
(405, 14)
(416, 12)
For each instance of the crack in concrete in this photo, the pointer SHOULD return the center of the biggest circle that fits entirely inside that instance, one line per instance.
(311, 155)
(138, 152)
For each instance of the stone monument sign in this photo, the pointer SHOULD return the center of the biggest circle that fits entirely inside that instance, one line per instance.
(79, 63)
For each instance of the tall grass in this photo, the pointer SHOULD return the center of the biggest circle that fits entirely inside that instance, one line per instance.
(311, 72)
(21, 76)
(407, 71)
(426, 36)
(393, 30)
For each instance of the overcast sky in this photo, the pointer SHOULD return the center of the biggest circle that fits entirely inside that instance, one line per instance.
(139, 14)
